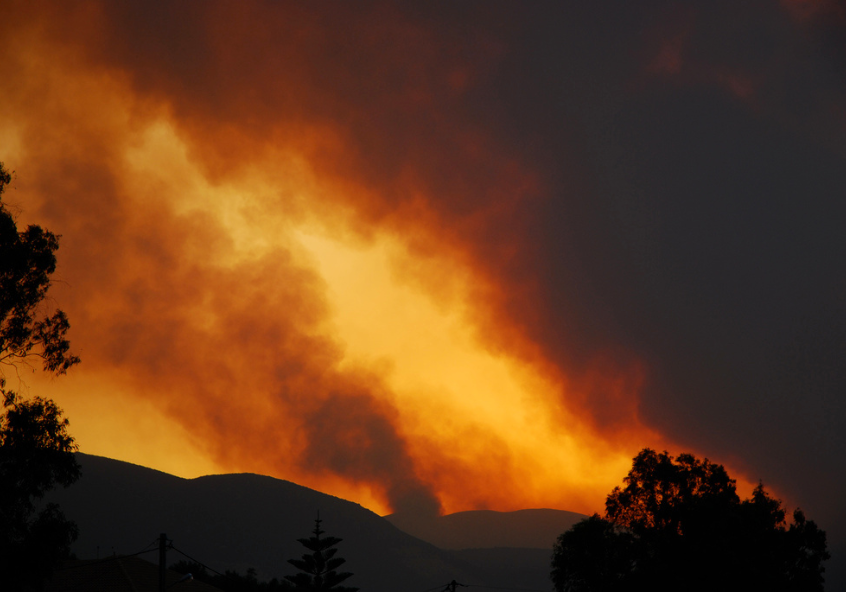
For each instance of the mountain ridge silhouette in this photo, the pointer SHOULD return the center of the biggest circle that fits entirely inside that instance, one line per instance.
(238, 521)
(487, 529)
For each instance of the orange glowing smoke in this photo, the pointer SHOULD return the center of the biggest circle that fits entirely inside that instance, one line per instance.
(258, 281)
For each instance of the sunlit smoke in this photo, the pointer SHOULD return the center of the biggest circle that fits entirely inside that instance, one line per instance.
(239, 271)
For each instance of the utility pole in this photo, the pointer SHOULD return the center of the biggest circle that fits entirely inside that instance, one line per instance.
(162, 561)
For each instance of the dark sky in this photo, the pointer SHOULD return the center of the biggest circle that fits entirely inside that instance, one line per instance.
(706, 231)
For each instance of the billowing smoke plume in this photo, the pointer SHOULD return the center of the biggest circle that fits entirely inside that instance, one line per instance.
(620, 225)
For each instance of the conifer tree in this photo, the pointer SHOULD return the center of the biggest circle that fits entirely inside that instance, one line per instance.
(317, 569)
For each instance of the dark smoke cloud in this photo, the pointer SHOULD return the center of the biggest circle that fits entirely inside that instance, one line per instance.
(698, 228)
(348, 435)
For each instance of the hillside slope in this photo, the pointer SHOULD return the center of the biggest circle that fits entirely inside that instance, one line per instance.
(244, 520)
(477, 529)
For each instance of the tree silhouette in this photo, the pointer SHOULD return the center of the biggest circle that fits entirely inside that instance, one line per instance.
(593, 556)
(678, 524)
(317, 569)
(36, 451)
(27, 259)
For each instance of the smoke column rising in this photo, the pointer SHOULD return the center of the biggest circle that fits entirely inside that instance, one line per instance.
(440, 257)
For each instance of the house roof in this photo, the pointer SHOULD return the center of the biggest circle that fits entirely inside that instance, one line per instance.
(119, 574)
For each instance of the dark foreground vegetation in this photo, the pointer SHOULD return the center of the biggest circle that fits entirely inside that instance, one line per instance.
(36, 451)
(678, 524)
(230, 581)
(316, 570)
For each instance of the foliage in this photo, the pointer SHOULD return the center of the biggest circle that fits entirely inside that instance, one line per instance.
(317, 569)
(36, 451)
(230, 581)
(678, 524)
(36, 454)
(27, 259)
(594, 555)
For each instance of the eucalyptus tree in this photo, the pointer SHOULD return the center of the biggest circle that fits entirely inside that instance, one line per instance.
(679, 524)
(36, 450)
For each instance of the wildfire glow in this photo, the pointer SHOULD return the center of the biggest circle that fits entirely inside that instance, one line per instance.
(242, 302)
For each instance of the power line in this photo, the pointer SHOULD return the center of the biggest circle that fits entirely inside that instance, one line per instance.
(449, 587)
(499, 588)
(184, 554)
(147, 549)
(99, 575)
(230, 577)
(434, 588)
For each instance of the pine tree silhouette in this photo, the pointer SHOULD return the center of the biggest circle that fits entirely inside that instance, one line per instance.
(317, 569)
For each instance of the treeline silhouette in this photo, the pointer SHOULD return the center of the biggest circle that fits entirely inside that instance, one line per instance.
(678, 524)
(230, 580)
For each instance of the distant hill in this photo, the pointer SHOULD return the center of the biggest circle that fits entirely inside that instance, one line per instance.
(478, 529)
(245, 520)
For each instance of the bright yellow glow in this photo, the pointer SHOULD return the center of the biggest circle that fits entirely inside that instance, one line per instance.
(218, 272)
(427, 348)
(443, 380)
(108, 420)
(251, 210)
(179, 235)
